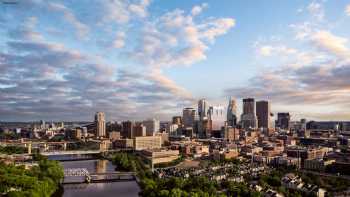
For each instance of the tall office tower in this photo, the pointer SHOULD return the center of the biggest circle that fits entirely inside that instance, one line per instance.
(100, 123)
(152, 126)
(303, 124)
(172, 129)
(42, 124)
(188, 116)
(177, 120)
(203, 118)
(248, 117)
(232, 113)
(202, 109)
(139, 130)
(217, 117)
(128, 129)
(283, 120)
(263, 114)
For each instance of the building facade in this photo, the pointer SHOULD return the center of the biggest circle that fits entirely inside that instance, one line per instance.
(188, 117)
(248, 117)
(100, 123)
(152, 126)
(283, 120)
(263, 114)
(232, 113)
(217, 117)
(202, 109)
(147, 142)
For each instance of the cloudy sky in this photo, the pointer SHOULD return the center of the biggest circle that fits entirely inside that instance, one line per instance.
(135, 59)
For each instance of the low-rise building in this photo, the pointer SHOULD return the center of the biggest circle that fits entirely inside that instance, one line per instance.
(147, 142)
(114, 135)
(156, 156)
(317, 164)
(123, 143)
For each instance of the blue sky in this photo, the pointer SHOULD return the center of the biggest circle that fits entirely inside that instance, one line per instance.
(136, 59)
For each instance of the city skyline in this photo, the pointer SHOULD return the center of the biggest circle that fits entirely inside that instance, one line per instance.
(145, 59)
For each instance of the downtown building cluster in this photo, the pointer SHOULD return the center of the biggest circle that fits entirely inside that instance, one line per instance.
(262, 140)
(212, 121)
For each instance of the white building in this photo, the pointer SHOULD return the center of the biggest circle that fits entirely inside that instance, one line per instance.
(202, 109)
(100, 123)
(172, 129)
(152, 126)
(217, 116)
(147, 142)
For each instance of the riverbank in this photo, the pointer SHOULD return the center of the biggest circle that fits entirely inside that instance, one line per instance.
(105, 189)
(41, 180)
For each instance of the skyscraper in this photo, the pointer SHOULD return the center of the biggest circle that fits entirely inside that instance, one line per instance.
(248, 117)
(283, 120)
(217, 117)
(188, 116)
(128, 129)
(152, 126)
(232, 113)
(263, 114)
(202, 109)
(203, 118)
(177, 120)
(139, 130)
(100, 124)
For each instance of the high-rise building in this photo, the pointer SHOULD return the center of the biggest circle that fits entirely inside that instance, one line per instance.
(203, 118)
(128, 129)
(188, 117)
(283, 120)
(248, 117)
(177, 120)
(172, 129)
(217, 117)
(139, 130)
(152, 126)
(232, 113)
(100, 123)
(202, 109)
(42, 124)
(263, 114)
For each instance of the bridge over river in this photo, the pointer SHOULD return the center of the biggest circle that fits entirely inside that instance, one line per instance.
(87, 177)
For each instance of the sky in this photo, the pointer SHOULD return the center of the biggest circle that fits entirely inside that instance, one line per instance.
(139, 59)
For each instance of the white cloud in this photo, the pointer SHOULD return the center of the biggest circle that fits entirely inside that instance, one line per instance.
(316, 10)
(328, 42)
(119, 41)
(347, 10)
(140, 9)
(279, 50)
(122, 12)
(178, 39)
(217, 27)
(265, 50)
(69, 16)
(198, 9)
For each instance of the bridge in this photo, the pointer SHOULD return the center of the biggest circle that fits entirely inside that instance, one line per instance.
(77, 152)
(76, 172)
(96, 177)
(44, 146)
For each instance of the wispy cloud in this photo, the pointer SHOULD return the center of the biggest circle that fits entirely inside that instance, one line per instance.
(55, 80)
(307, 78)
(347, 10)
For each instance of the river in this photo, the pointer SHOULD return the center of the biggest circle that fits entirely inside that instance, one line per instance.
(111, 189)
